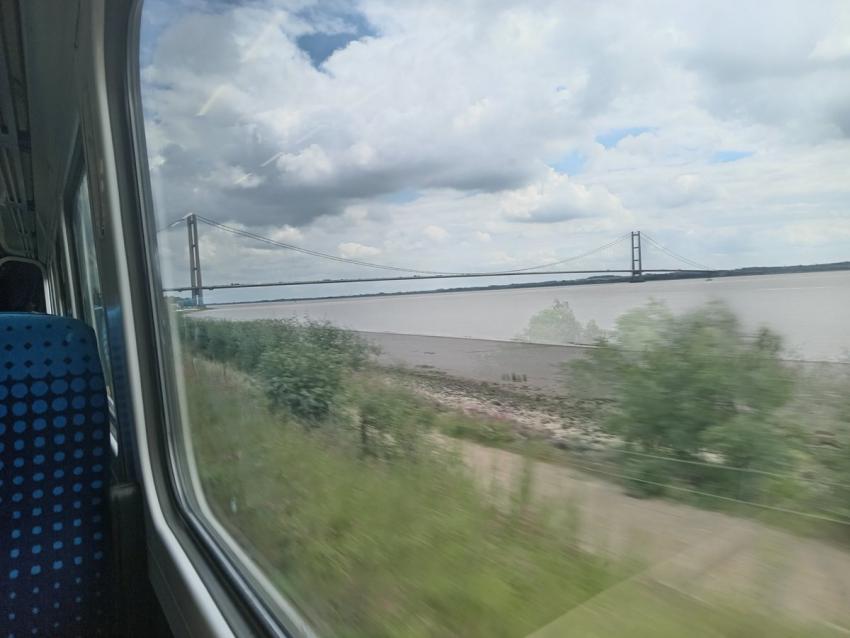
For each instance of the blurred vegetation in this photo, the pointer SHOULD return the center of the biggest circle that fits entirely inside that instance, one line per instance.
(480, 429)
(392, 423)
(558, 324)
(638, 610)
(705, 409)
(336, 482)
(396, 542)
(833, 455)
(301, 365)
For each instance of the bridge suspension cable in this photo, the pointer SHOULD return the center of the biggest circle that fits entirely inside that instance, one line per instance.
(359, 262)
(402, 273)
(574, 258)
(308, 251)
(675, 255)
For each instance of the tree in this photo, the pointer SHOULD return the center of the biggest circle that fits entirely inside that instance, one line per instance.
(558, 324)
(686, 388)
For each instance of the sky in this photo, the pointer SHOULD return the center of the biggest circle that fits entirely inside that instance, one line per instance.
(480, 135)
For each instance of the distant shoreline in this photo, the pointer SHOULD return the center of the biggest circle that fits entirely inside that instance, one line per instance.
(586, 281)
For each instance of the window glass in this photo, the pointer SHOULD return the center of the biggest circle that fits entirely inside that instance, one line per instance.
(94, 312)
(63, 284)
(512, 318)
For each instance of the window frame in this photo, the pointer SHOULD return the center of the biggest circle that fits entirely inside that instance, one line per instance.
(196, 576)
(73, 178)
(58, 280)
(67, 267)
(84, 276)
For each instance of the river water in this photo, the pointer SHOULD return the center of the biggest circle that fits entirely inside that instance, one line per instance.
(810, 310)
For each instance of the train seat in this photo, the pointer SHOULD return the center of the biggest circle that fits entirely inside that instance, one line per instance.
(54, 470)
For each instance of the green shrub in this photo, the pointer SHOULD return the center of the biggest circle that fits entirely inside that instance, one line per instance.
(303, 380)
(301, 365)
(392, 422)
(693, 386)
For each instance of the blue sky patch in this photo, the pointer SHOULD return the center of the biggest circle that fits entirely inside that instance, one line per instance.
(572, 163)
(721, 157)
(610, 139)
(322, 44)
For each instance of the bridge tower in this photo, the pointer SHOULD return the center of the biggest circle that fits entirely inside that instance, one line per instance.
(195, 280)
(637, 262)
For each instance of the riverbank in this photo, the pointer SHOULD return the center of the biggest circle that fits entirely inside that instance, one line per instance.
(530, 367)
(530, 387)
(528, 414)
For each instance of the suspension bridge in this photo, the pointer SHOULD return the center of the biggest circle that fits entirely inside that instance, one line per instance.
(635, 267)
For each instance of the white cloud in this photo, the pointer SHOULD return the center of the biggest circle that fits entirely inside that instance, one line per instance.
(353, 249)
(816, 232)
(686, 189)
(435, 233)
(835, 46)
(557, 198)
(309, 166)
(287, 234)
(451, 114)
(228, 176)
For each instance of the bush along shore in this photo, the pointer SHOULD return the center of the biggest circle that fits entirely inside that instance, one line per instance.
(687, 407)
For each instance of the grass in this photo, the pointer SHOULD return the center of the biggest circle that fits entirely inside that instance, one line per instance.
(609, 466)
(481, 430)
(411, 546)
(641, 610)
(374, 548)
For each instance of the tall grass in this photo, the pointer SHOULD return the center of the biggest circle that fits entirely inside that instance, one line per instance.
(369, 547)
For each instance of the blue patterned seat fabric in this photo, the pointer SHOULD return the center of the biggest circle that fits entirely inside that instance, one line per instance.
(54, 463)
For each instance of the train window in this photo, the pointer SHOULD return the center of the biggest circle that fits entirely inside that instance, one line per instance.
(490, 318)
(93, 310)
